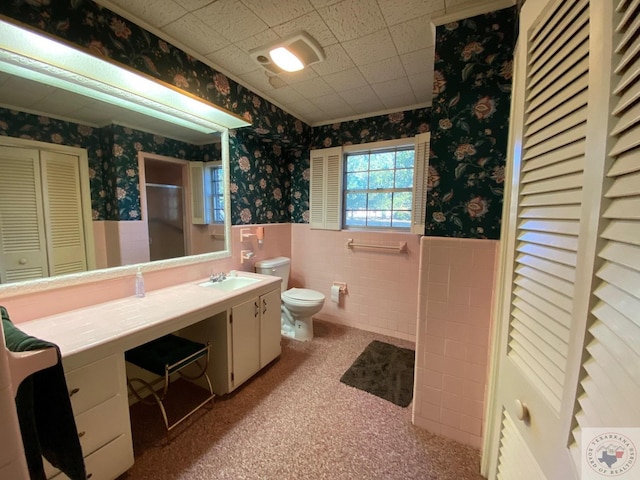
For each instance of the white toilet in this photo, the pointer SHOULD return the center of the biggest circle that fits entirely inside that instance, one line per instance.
(298, 304)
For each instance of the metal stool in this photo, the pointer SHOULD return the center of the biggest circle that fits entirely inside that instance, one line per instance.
(163, 357)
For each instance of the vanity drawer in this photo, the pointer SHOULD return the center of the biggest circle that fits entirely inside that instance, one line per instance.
(107, 463)
(97, 427)
(101, 424)
(94, 383)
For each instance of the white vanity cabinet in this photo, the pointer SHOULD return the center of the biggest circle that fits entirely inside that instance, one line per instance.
(100, 406)
(270, 327)
(243, 339)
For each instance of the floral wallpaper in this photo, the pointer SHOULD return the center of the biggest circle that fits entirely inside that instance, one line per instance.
(469, 125)
(112, 153)
(372, 129)
(106, 34)
(260, 180)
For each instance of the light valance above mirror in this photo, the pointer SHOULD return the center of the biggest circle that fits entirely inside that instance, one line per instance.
(37, 57)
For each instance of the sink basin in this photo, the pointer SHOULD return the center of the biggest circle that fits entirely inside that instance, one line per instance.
(230, 284)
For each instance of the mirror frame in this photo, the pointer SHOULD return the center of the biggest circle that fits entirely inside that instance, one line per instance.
(50, 283)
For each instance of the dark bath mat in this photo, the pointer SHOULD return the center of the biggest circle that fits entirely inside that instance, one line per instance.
(384, 370)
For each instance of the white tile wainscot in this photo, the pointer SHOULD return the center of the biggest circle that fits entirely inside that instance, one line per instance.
(93, 340)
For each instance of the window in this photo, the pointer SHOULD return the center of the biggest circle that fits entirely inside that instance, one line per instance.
(378, 188)
(381, 185)
(216, 194)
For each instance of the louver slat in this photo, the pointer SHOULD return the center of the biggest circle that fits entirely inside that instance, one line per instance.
(515, 459)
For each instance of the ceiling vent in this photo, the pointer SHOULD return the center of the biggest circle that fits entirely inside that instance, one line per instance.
(289, 54)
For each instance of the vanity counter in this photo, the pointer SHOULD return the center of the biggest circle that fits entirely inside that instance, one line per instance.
(88, 334)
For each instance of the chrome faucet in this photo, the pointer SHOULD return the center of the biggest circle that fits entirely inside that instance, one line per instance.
(218, 277)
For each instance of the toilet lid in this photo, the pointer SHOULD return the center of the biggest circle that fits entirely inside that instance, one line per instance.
(303, 295)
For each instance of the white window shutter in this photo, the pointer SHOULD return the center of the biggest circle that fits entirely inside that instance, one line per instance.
(63, 207)
(23, 253)
(196, 175)
(325, 189)
(420, 183)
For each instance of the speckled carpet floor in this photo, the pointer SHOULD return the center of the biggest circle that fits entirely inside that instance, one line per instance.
(296, 420)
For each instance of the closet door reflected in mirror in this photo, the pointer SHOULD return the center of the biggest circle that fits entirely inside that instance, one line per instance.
(45, 214)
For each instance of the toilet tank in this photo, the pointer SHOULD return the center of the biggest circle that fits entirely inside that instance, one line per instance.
(277, 267)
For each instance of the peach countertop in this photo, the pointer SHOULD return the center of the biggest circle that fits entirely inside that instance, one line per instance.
(91, 333)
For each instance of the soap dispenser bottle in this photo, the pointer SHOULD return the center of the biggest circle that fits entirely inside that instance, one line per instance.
(139, 284)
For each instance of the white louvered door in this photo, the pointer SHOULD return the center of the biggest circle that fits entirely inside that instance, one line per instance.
(551, 220)
(23, 252)
(63, 210)
(610, 384)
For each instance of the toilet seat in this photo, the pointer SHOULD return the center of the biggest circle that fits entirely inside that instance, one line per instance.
(300, 297)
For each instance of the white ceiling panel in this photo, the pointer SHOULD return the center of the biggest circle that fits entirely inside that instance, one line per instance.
(346, 80)
(371, 48)
(413, 35)
(399, 11)
(193, 33)
(352, 19)
(232, 19)
(276, 12)
(388, 69)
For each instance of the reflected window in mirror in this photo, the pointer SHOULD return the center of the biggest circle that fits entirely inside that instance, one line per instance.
(214, 190)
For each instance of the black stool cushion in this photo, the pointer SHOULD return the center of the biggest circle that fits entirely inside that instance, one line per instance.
(167, 350)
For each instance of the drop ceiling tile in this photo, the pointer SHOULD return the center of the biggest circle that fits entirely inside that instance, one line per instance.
(398, 11)
(420, 61)
(387, 69)
(330, 102)
(458, 4)
(260, 40)
(368, 108)
(234, 60)
(336, 113)
(19, 92)
(323, 3)
(158, 13)
(337, 60)
(313, 88)
(422, 85)
(371, 48)
(195, 34)
(304, 108)
(232, 19)
(359, 95)
(352, 19)
(405, 99)
(310, 23)
(286, 95)
(192, 5)
(392, 88)
(258, 81)
(276, 12)
(292, 78)
(413, 35)
(346, 79)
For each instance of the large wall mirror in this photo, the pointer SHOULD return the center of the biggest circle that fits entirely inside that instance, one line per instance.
(182, 197)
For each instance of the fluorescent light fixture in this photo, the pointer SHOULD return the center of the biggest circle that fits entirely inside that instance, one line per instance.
(286, 60)
(42, 59)
(289, 54)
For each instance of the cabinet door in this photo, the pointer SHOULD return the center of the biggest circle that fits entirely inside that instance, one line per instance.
(269, 327)
(245, 338)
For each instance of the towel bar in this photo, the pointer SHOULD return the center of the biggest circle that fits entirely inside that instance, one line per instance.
(400, 248)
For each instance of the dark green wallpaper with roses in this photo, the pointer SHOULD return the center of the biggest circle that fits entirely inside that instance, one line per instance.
(469, 125)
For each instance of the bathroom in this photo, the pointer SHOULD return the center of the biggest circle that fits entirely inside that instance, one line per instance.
(383, 288)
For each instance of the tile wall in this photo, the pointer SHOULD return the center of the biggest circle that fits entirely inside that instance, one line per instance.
(382, 286)
(454, 315)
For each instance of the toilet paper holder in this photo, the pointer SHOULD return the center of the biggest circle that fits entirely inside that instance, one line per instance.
(342, 286)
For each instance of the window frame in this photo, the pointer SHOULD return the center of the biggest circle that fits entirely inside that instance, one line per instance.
(369, 148)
